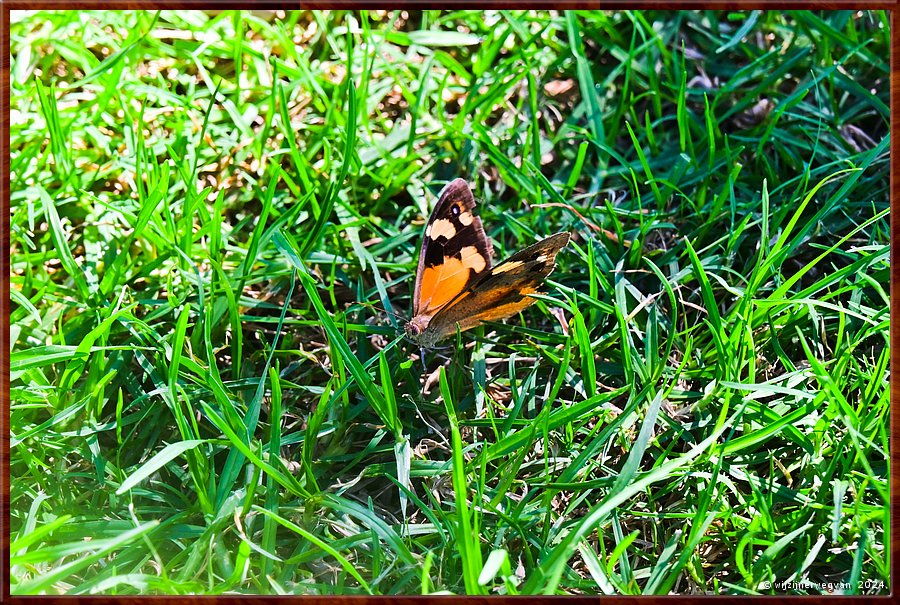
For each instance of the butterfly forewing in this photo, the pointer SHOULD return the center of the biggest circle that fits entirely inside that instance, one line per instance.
(455, 251)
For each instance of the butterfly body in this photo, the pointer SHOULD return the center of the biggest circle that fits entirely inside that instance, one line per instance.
(455, 282)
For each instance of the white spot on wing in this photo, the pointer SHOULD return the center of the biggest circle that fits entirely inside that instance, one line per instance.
(466, 219)
(441, 227)
(472, 259)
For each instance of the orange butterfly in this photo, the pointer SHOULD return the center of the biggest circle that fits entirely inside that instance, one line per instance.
(455, 284)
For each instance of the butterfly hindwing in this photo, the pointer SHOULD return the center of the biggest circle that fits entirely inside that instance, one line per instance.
(455, 250)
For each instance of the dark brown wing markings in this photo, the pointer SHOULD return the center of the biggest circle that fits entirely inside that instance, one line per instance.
(527, 261)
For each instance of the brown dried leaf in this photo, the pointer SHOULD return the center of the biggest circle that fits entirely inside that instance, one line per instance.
(857, 138)
(755, 115)
(558, 87)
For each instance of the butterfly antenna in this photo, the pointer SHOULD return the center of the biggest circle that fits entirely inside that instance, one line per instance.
(400, 318)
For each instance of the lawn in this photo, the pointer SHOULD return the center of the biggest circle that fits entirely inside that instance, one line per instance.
(215, 224)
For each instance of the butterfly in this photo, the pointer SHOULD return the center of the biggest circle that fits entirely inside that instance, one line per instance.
(455, 284)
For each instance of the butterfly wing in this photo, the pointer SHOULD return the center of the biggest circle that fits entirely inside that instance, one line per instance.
(455, 250)
(501, 292)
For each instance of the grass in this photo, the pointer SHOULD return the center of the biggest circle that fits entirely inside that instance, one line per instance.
(215, 220)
